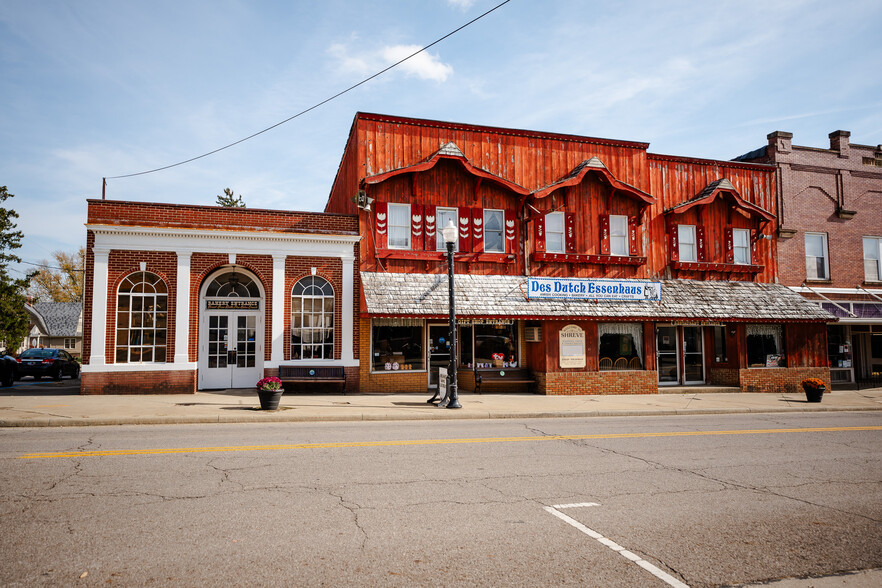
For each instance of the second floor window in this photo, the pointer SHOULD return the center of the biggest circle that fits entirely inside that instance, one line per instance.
(443, 218)
(741, 246)
(816, 266)
(554, 232)
(618, 235)
(686, 235)
(493, 236)
(873, 259)
(399, 226)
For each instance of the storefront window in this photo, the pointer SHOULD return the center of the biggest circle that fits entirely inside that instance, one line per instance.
(490, 346)
(764, 346)
(720, 344)
(141, 319)
(397, 345)
(312, 319)
(621, 346)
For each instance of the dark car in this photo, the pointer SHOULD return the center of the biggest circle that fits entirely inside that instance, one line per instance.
(8, 369)
(55, 363)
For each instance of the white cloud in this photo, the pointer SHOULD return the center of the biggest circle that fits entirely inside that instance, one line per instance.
(461, 4)
(423, 65)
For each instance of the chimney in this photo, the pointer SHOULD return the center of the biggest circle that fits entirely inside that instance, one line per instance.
(780, 141)
(839, 142)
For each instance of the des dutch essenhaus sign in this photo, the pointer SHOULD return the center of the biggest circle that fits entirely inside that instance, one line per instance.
(578, 289)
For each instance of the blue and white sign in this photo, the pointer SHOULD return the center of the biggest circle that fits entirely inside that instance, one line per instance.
(579, 289)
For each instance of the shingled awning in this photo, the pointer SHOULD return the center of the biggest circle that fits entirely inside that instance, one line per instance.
(425, 295)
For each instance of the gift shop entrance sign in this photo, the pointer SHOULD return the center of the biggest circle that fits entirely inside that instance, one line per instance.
(578, 289)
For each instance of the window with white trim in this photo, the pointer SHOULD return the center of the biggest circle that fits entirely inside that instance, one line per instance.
(686, 237)
(816, 265)
(399, 226)
(741, 246)
(873, 259)
(494, 221)
(618, 235)
(141, 319)
(70, 343)
(554, 232)
(443, 217)
(312, 319)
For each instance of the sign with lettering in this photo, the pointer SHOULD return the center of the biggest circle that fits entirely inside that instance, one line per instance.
(579, 289)
(572, 347)
(232, 304)
(467, 322)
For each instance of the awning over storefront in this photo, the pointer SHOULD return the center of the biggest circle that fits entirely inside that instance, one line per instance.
(425, 295)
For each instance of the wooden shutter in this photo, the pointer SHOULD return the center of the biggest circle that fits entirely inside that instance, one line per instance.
(430, 225)
(754, 244)
(539, 232)
(633, 235)
(465, 230)
(730, 245)
(700, 243)
(381, 224)
(674, 236)
(416, 227)
(604, 234)
(570, 232)
(478, 230)
(510, 231)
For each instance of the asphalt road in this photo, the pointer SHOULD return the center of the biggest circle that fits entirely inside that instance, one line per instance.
(648, 501)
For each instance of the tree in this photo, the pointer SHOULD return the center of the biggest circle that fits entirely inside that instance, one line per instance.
(61, 281)
(13, 317)
(230, 200)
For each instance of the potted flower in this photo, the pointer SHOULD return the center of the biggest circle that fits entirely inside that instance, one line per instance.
(814, 389)
(269, 390)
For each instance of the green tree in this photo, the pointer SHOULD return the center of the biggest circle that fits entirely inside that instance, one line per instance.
(13, 317)
(230, 200)
(62, 280)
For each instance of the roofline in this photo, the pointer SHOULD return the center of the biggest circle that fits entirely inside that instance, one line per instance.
(767, 167)
(498, 130)
(234, 210)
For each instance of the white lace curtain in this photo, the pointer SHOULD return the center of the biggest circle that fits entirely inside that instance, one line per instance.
(773, 331)
(633, 329)
(398, 322)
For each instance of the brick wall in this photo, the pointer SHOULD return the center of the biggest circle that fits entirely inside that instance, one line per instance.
(603, 382)
(176, 382)
(780, 380)
(722, 376)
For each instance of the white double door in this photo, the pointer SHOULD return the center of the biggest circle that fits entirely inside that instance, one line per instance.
(230, 350)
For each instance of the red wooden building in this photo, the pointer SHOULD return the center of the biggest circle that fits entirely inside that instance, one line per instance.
(583, 265)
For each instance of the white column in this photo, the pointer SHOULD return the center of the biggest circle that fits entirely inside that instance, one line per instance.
(182, 309)
(277, 351)
(348, 300)
(99, 306)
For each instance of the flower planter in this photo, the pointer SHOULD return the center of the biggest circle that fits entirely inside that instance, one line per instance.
(269, 399)
(814, 393)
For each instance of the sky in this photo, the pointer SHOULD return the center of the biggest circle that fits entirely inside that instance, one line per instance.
(102, 88)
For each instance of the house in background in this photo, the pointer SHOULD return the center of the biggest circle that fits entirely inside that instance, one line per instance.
(55, 324)
(830, 242)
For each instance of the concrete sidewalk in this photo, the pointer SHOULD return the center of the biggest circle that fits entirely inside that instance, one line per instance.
(59, 404)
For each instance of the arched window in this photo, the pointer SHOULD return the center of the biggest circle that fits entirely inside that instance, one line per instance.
(312, 319)
(232, 285)
(141, 319)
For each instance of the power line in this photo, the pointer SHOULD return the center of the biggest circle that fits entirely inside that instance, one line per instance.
(322, 103)
(64, 269)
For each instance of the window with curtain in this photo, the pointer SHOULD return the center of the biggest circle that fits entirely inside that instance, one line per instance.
(399, 226)
(618, 235)
(397, 341)
(443, 217)
(621, 346)
(872, 259)
(765, 346)
(816, 266)
(494, 220)
(141, 319)
(741, 246)
(686, 236)
(312, 319)
(554, 232)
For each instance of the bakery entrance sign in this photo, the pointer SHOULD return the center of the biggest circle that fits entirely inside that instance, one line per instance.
(578, 289)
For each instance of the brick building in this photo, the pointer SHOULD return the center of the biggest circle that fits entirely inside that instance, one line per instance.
(830, 242)
(583, 265)
(180, 298)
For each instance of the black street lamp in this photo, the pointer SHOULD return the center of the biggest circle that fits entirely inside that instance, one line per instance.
(449, 234)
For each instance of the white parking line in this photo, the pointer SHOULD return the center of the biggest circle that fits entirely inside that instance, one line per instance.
(655, 571)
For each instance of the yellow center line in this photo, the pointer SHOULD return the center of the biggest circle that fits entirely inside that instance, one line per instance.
(398, 443)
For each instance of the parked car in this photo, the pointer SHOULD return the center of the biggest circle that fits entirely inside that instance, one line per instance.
(56, 363)
(8, 369)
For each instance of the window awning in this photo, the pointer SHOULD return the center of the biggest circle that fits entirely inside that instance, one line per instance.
(425, 295)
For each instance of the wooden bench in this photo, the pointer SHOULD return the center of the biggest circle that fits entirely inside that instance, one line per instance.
(494, 377)
(305, 374)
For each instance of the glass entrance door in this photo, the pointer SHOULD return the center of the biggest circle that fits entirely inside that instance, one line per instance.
(668, 357)
(439, 351)
(693, 355)
(231, 354)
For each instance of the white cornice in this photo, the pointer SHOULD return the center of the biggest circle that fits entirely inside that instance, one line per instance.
(184, 241)
(804, 290)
